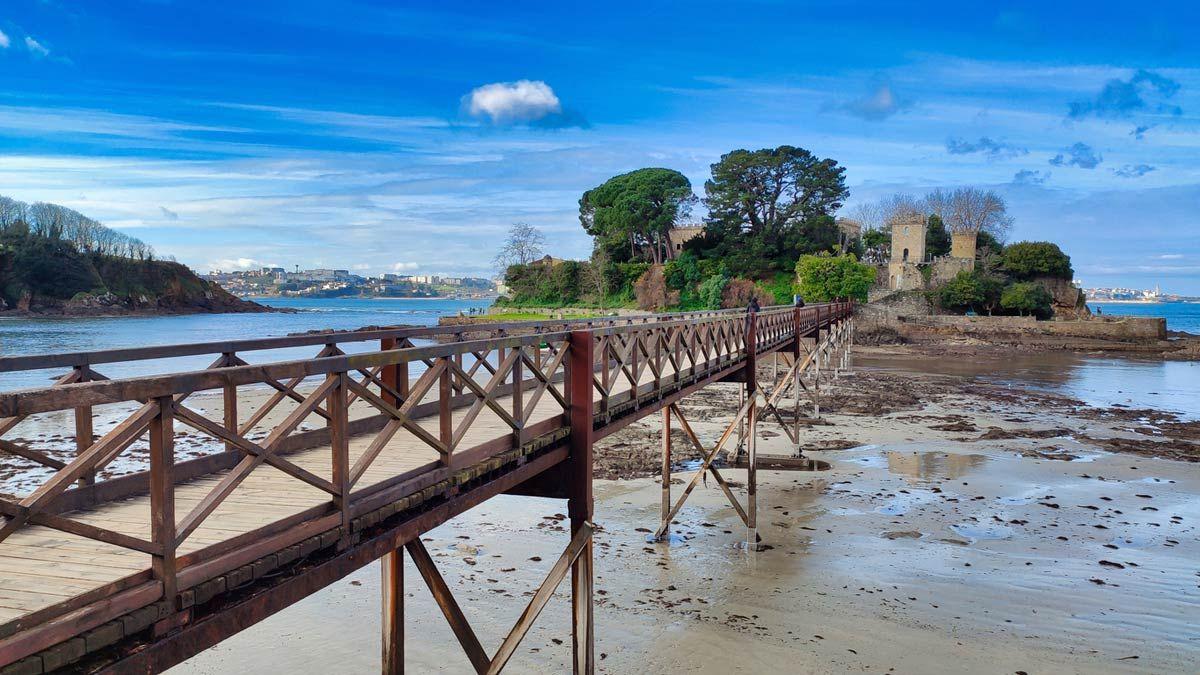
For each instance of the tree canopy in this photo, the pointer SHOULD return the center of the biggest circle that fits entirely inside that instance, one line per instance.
(631, 214)
(1029, 259)
(765, 192)
(522, 246)
(1027, 298)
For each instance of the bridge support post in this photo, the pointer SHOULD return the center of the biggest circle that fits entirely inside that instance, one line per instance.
(797, 383)
(751, 378)
(581, 360)
(666, 474)
(392, 587)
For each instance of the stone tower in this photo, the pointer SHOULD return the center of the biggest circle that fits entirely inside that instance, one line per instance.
(908, 238)
(908, 250)
(962, 245)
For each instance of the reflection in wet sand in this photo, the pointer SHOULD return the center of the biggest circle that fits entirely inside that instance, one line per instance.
(932, 466)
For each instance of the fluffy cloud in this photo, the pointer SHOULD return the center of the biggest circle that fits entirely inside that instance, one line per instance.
(1030, 177)
(1139, 132)
(4, 41)
(168, 213)
(990, 148)
(1145, 91)
(1133, 170)
(405, 266)
(36, 48)
(530, 102)
(1081, 155)
(230, 264)
(875, 106)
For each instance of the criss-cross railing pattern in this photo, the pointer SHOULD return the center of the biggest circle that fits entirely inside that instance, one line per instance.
(435, 394)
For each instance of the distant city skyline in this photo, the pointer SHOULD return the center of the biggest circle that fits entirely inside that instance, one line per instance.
(408, 139)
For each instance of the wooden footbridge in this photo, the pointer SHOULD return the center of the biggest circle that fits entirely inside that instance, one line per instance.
(148, 518)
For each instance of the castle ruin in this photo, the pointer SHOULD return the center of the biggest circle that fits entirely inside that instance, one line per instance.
(911, 269)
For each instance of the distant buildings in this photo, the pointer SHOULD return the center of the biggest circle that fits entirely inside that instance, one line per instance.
(1126, 295)
(322, 282)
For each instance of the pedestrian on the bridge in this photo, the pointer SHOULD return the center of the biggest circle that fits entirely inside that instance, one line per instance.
(799, 300)
(751, 309)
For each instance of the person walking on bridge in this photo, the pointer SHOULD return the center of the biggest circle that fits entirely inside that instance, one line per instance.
(751, 309)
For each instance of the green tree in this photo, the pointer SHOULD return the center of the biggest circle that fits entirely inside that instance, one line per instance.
(1030, 259)
(986, 241)
(1027, 298)
(961, 293)
(937, 237)
(631, 213)
(824, 277)
(768, 206)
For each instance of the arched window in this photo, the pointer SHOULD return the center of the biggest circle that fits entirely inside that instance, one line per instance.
(905, 255)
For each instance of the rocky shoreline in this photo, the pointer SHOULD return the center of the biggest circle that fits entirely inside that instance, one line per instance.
(905, 400)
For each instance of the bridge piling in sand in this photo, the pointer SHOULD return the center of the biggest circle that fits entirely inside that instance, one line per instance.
(192, 505)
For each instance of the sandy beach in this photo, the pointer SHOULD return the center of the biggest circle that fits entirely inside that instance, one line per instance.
(966, 525)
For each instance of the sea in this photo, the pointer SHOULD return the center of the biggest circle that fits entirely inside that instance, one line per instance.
(1148, 383)
(40, 335)
(1180, 316)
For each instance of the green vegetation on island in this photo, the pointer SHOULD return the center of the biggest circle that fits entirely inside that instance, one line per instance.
(769, 232)
(56, 260)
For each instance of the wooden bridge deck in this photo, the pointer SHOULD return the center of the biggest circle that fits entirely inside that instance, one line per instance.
(93, 567)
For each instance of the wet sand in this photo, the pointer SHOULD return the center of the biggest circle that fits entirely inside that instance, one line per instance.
(968, 525)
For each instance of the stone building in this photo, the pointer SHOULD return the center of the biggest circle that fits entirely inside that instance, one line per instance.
(908, 252)
(962, 245)
(909, 257)
(678, 236)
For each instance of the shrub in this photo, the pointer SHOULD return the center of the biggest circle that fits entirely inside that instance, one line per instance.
(1029, 259)
(823, 277)
(780, 289)
(652, 292)
(1027, 298)
(711, 290)
(738, 293)
(961, 293)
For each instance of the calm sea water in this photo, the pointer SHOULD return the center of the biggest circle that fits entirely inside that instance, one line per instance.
(19, 336)
(1148, 383)
(1182, 316)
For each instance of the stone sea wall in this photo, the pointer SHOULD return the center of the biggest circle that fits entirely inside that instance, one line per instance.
(905, 323)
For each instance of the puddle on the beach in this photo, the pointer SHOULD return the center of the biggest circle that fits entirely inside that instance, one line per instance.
(932, 466)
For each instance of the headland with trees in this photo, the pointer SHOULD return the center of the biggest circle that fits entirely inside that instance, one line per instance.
(54, 260)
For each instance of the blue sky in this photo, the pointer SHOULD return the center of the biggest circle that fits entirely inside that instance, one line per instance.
(384, 137)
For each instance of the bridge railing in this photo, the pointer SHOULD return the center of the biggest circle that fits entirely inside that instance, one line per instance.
(459, 403)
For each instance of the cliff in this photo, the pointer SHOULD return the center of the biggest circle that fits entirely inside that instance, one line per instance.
(40, 275)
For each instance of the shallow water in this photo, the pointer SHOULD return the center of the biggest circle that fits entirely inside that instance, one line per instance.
(1097, 381)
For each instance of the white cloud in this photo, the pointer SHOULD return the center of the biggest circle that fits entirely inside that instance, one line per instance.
(1171, 256)
(4, 41)
(513, 102)
(36, 48)
(361, 267)
(405, 266)
(229, 264)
